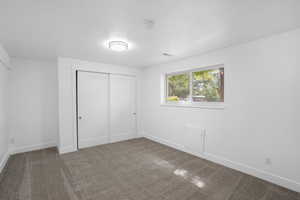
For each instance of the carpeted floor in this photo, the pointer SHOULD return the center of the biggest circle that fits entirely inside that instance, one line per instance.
(137, 169)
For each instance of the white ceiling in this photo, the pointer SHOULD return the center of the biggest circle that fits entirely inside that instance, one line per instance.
(45, 29)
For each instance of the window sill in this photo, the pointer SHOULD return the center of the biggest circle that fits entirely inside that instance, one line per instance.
(217, 106)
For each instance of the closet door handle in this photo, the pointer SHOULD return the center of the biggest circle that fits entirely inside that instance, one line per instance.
(79, 117)
(134, 113)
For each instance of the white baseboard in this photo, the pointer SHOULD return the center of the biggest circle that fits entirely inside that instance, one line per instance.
(114, 138)
(4, 160)
(67, 149)
(15, 150)
(118, 138)
(139, 135)
(28, 148)
(90, 142)
(273, 178)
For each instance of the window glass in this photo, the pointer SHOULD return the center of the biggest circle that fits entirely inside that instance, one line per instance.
(178, 88)
(208, 85)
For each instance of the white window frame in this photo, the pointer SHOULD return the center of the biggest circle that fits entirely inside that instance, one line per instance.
(207, 105)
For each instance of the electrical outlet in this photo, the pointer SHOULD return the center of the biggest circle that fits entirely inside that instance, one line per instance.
(12, 141)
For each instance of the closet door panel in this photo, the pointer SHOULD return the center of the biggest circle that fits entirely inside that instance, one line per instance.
(122, 107)
(93, 108)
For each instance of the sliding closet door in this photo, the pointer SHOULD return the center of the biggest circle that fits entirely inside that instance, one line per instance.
(93, 108)
(122, 107)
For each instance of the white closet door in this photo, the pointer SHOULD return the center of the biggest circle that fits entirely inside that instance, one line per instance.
(122, 107)
(93, 108)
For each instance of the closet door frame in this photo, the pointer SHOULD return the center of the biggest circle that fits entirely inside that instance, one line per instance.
(75, 94)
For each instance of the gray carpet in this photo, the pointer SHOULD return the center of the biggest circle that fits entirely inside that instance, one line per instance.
(137, 169)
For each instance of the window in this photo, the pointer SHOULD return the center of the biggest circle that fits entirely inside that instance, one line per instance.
(178, 87)
(196, 86)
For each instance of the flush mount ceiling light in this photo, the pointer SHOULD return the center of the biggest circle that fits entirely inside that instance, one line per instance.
(118, 45)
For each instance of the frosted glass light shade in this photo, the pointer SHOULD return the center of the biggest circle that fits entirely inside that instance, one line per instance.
(118, 45)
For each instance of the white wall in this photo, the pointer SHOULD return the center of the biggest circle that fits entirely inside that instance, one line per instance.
(33, 112)
(4, 134)
(261, 116)
(67, 96)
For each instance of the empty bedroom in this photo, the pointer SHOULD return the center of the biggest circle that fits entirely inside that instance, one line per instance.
(149, 100)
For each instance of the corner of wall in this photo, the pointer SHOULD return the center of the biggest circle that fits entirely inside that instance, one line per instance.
(4, 160)
(4, 153)
(66, 149)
